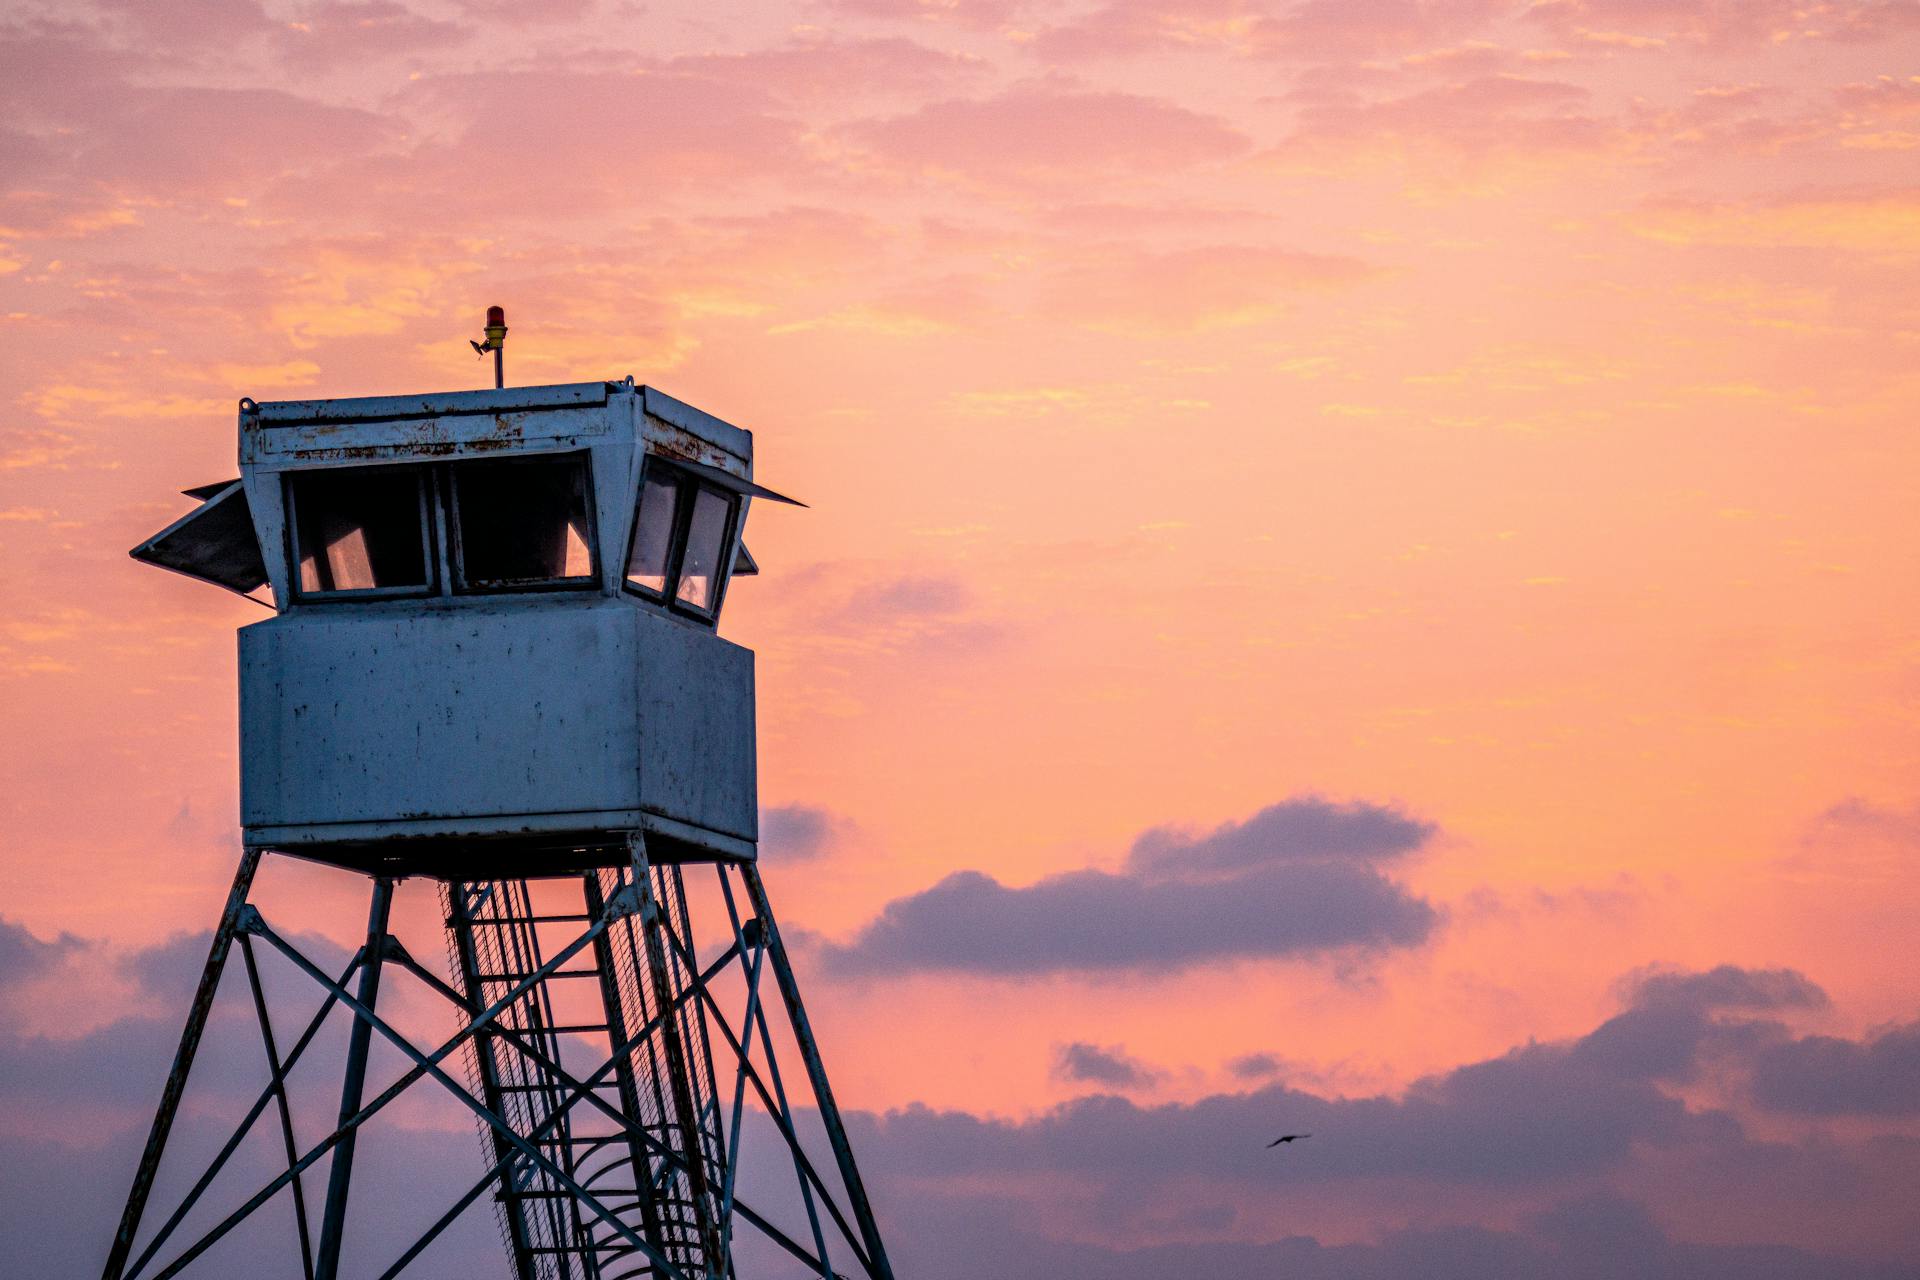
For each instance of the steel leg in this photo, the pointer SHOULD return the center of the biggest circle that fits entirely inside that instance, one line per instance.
(340, 1170)
(817, 1074)
(279, 1084)
(182, 1064)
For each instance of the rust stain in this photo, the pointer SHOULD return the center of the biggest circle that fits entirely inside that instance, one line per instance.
(678, 445)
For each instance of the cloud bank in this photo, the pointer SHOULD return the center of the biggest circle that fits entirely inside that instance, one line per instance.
(1298, 878)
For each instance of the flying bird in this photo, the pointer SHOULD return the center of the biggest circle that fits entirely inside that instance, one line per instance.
(1287, 1137)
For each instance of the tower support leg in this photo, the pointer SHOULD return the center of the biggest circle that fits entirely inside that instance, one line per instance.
(278, 1083)
(340, 1171)
(182, 1065)
(817, 1074)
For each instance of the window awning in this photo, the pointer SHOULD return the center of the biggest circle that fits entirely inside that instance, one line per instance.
(214, 542)
(716, 476)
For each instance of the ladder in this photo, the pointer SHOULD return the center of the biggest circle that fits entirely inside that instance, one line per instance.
(663, 1187)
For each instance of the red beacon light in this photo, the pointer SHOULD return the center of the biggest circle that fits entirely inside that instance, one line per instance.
(496, 342)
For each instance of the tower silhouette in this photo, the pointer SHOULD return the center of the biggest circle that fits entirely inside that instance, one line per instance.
(493, 664)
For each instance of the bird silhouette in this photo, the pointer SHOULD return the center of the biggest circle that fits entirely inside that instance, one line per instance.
(1287, 1137)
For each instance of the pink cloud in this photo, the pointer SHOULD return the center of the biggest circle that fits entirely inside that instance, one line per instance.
(22, 155)
(1369, 28)
(1481, 119)
(179, 26)
(1725, 25)
(1317, 30)
(1123, 27)
(528, 12)
(976, 14)
(332, 32)
(647, 122)
(55, 73)
(1217, 286)
(501, 147)
(1043, 136)
(1885, 98)
(225, 141)
(1881, 115)
(101, 142)
(1116, 218)
(833, 70)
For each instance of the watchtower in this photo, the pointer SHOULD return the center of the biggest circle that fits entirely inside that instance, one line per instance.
(493, 662)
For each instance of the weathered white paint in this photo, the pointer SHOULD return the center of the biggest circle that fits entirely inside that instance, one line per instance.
(492, 716)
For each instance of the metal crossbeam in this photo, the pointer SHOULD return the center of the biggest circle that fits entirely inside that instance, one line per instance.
(430, 1067)
(249, 919)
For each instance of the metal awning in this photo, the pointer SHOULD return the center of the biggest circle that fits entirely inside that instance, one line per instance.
(214, 542)
(727, 481)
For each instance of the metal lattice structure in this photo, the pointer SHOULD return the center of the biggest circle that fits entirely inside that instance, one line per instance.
(624, 1164)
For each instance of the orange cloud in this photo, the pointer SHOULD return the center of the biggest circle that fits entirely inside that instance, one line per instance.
(1858, 223)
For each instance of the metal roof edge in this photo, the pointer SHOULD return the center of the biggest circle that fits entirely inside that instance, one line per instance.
(564, 395)
(737, 441)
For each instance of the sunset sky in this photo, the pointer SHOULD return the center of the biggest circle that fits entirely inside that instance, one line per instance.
(1362, 575)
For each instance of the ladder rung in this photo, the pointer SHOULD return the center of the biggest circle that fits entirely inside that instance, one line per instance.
(522, 977)
(563, 1194)
(563, 918)
(575, 1250)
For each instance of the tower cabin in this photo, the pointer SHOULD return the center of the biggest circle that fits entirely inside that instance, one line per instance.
(493, 649)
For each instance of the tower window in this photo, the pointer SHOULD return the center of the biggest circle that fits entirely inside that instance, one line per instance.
(682, 538)
(522, 522)
(360, 529)
(706, 539)
(652, 556)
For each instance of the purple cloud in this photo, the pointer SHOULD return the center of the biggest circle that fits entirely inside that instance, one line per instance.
(1293, 880)
(1110, 1066)
(794, 832)
(1303, 829)
(1825, 1075)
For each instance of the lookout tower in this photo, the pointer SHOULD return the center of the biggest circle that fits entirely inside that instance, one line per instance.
(493, 663)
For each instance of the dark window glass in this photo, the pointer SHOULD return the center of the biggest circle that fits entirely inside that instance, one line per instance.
(523, 521)
(359, 529)
(706, 538)
(649, 561)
